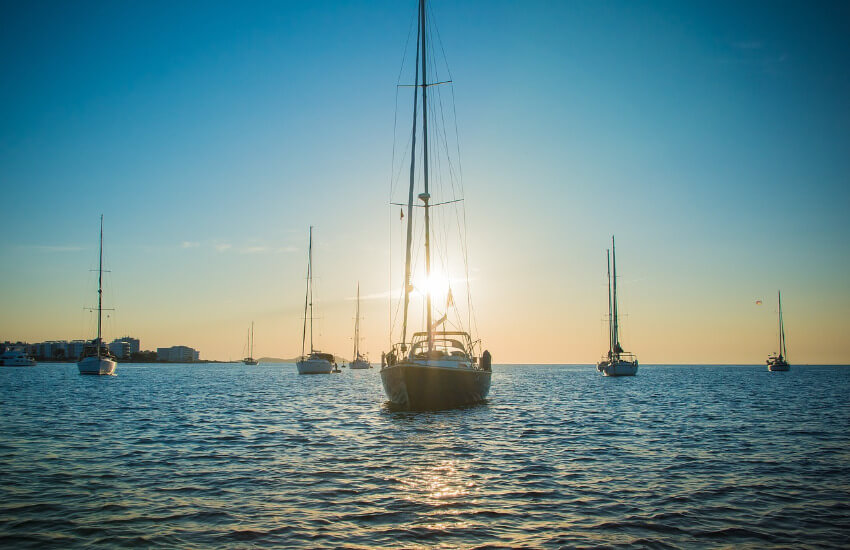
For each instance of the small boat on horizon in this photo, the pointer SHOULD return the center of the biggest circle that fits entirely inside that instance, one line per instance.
(316, 362)
(250, 359)
(96, 357)
(436, 368)
(778, 362)
(16, 358)
(359, 360)
(617, 362)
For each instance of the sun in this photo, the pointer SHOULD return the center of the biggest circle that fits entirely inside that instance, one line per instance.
(437, 285)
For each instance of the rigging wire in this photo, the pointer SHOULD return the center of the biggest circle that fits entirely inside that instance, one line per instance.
(472, 321)
(394, 177)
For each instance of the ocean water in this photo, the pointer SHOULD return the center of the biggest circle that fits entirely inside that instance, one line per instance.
(234, 456)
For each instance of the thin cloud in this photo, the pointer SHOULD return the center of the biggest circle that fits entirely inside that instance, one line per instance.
(51, 248)
(254, 249)
(223, 247)
(262, 249)
(189, 244)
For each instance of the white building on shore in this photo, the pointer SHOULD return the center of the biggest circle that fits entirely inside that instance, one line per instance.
(177, 354)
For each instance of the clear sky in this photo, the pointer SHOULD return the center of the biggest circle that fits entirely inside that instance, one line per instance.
(713, 138)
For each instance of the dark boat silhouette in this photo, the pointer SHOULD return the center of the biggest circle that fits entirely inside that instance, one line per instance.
(436, 368)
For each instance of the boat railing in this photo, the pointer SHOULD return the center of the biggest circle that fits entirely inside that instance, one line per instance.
(621, 356)
(447, 345)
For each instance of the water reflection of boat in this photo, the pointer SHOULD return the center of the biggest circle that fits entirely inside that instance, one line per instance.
(617, 362)
(778, 362)
(436, 368)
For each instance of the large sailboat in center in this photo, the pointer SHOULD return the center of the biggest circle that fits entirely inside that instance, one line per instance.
(778, 362)
(434, 368)
(617, 362)
(316, 362)
(96, 358)
(359, 360)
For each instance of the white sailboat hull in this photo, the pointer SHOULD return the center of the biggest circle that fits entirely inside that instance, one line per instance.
(314, 366)
(618, 368)
(96, 365)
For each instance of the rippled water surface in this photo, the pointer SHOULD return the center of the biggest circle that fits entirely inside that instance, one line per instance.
(229, 455)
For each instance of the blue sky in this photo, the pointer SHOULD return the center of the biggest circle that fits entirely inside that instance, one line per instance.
(711, 138)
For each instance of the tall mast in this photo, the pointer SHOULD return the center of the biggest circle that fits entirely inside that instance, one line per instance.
(407, 284)
(610, 318)
(781, 327)
(310, 284)
(425, 196)
(99, 286)
(357, 325)
(251, 353)
(615, 333)
(307, 300)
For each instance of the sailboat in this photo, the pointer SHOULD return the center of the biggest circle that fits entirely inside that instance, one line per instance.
(250, 359)
(316, 362)
(96, 358)
(779, 362)
(435, 368)
(359, 360)
(617, 362)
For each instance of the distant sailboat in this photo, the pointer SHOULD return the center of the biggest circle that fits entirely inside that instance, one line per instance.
(435, 369)
(779, 362)
(617, 362)
(250, 359)
(359, 360)
(316, 362)
(96, 358)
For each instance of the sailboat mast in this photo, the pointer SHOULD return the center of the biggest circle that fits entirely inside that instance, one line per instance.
(310, 283)
(615, 332)
(100, 287)
(407, 283)
(425, 196)
(610, 317)
(307, 296)
(251, 352)
(781, 327)
(357, 325)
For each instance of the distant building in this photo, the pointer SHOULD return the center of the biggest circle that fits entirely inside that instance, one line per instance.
(177, 354)
(120, 349)
(134, 343)
(23, 346)
(74, 349)
(124, 347)
(63, 350)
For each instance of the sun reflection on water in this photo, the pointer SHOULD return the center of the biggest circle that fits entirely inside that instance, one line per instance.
(436, 484)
